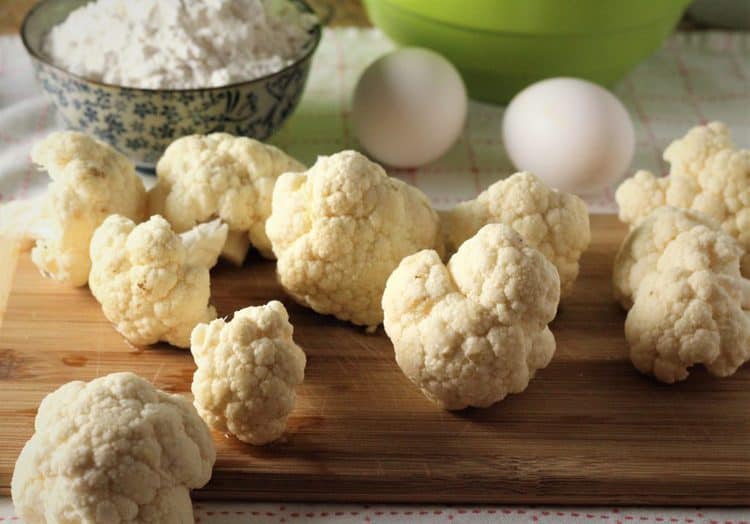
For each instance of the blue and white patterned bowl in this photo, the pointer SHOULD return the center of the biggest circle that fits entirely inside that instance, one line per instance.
(142, 122)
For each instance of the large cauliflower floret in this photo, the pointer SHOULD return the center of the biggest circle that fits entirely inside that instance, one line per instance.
(694, 308)
(644, 245)
(706, 175)
(338, 231)
(555, 223)
(247, 371)
(150, 285)
(202, 177)
(471, 332)
(112, 451)
(90, 181)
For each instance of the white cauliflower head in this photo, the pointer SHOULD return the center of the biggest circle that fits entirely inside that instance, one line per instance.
(555, 223)
(112, 451)
(202, 177)
(149, 285)
(645, 243)
(338, 231)
(471, 332)
(707, 175)
(694, 308)
(90, 181)
(248, 369)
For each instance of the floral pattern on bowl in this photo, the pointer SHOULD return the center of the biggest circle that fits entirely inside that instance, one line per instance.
(143, 122)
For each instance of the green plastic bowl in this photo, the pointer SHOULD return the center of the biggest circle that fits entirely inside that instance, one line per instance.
(501, 46)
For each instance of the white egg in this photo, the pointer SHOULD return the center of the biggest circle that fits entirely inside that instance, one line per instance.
(573, 134)
(409, 107)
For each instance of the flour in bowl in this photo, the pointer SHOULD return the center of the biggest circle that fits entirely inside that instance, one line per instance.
(179, 44)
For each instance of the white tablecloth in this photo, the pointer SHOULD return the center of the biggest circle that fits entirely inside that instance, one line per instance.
(695, 78)
(256, 513)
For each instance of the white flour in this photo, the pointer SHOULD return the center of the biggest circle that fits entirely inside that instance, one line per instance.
(178, 43)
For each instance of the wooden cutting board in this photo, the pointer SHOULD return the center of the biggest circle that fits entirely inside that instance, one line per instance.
(588, 430)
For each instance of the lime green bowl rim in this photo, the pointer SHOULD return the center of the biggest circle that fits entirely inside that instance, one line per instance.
(449, 15)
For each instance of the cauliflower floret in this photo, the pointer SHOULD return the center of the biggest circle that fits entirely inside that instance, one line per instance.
(644, 245)
(694, 308)
(471, 332)
(90, 181)
(247, 371)
(706, 175)
(113, 450)
(201, 177)
(689, 154)
(557, 224)
(639, 195)
(150, 287)
(338, 231)
(725, 196)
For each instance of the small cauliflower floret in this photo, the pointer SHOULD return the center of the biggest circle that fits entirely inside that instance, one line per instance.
(471, 332)
(639, 195)
(248, 369)
(150, 285)
(202, 177)
(555, 223)
(694, 308)
(706, 175)
(341, 228)
(114, 450)
(90, 181)
(644, 245)
(688, 155)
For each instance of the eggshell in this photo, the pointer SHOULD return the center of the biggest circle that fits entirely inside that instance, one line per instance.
(409, 107)
(575, 135)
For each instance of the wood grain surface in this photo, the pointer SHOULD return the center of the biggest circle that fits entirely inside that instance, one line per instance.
(588, 430)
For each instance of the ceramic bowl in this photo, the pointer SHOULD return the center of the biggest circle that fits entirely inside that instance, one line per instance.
(143, 122)
(501, 46)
